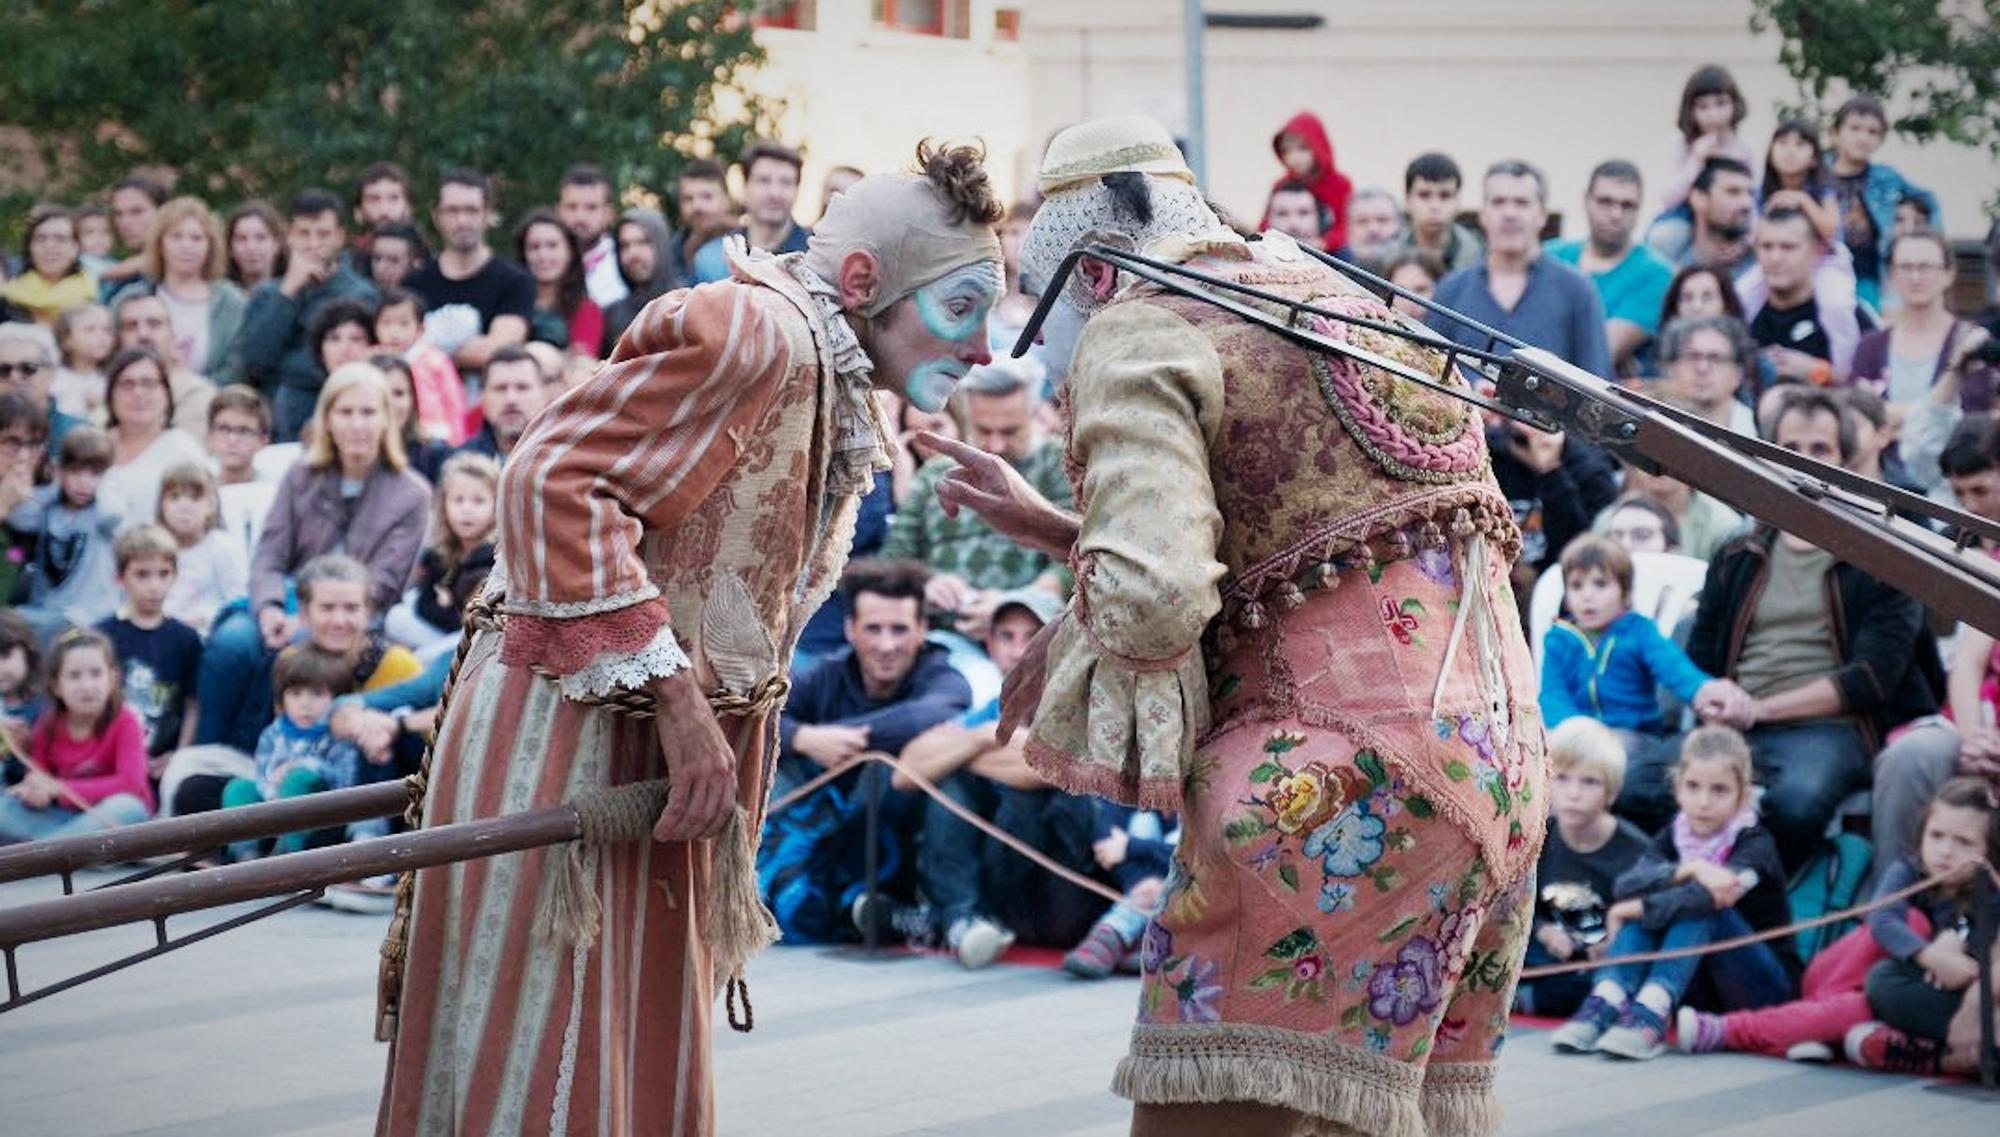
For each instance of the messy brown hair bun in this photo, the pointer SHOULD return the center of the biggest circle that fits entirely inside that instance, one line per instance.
(960, 171)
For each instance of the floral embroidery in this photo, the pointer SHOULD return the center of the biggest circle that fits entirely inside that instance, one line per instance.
(1197, 984)
(1412, 985)
(1344, 813)
(1301, 967)
(1348, 844)
(1401, 620)
(1504, 782)
(1437, 565)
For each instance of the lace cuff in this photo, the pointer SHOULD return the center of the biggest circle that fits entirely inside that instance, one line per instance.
(1109, 728)
(596, 654)
(627, 670)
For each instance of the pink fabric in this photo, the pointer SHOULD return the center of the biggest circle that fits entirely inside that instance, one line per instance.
(113, 762)
(1832, 999)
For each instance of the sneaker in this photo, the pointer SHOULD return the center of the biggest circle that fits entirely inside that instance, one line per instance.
(895, 921)
(373, 896)
(1639, 1035)
(1697, 1032)
(978, 942)
(1879, 1046)
(1580, 1034)
(1097, 955)
(1817, 1052)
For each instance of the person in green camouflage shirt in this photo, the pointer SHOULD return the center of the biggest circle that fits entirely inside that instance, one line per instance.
(971, 565)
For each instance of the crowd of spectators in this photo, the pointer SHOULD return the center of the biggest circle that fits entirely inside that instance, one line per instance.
(250, 466)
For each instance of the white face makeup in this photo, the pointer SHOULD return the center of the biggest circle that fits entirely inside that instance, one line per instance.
(953, 311)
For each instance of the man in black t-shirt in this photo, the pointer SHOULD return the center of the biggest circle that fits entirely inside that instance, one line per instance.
(478, 302)
(1790, 329)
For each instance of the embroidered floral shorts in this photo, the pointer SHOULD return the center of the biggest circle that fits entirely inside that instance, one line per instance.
(1347, 912)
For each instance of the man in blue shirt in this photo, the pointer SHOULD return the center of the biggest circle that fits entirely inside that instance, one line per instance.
(1631, 279)
(1518, 290)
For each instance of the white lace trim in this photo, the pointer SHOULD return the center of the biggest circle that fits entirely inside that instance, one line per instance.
(570, 609)
(627, 670)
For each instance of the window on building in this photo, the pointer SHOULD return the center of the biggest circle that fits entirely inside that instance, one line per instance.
(949, 18)
(1007, 25)
(801, 15)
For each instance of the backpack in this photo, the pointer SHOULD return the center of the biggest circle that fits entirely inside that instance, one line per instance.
(1829, 881)
(812, 854)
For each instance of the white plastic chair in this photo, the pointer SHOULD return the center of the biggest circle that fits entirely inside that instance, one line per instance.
(1664, 586)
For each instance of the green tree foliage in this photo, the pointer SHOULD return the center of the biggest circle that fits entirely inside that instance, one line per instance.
(1936, 63)
(259, 98)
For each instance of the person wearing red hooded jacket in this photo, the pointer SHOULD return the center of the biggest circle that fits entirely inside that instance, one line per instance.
(1307, 155)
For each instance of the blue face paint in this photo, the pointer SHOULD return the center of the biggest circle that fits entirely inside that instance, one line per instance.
(952, 308)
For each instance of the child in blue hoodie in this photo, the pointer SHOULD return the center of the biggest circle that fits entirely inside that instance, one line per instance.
(1605, 661)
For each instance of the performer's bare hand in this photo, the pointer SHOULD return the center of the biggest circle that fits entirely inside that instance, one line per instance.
(701, 769)
(1022, 692)
(991, 487)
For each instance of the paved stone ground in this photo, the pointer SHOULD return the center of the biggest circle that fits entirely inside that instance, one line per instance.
(264, 1032)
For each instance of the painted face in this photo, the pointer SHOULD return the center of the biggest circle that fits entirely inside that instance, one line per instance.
(939, 333)
(1060, 332)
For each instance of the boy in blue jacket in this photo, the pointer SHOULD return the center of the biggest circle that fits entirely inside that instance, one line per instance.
(1606, 661)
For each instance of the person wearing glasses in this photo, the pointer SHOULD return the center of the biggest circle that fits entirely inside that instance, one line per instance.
(1930, 366)
(28, 360)
(1631, 279)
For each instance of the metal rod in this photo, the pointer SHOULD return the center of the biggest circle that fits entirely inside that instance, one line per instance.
(16, 999)
(1363, 276)
(255, 880)
(1197, 95)
(202, 831)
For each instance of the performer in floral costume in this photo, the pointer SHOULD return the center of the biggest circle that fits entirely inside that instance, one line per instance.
(666, 530)
(1292, 624)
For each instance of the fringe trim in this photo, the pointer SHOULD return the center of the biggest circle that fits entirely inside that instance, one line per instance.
(735, 922)
(1459, 1100)
(1228, 1062)
(1075, 775)
(563, 646)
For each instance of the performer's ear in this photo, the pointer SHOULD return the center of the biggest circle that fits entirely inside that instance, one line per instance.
(860, 279)
(1099, 277)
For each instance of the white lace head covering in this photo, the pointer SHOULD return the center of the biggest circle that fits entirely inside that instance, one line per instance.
(1078, 209)
(915, 233)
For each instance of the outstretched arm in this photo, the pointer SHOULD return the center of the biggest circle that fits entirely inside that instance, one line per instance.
(990, 487)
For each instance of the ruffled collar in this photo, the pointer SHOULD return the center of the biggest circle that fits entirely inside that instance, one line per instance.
(863, 446)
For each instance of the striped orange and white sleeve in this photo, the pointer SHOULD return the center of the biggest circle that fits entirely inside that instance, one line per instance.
(634, 450)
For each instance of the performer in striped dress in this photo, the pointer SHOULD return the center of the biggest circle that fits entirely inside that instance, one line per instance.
(666, 530)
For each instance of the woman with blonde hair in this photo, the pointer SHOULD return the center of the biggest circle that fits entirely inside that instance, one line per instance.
(352, 492)
(184, 263)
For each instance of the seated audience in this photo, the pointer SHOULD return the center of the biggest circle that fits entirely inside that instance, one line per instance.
(298, 753)
(52, 278)
(1706, 359)
(1702, 523)
(28, 362)
(212, 568)
(279, 356)
(88, 340)
(86, 754)
(437, 387)
(143, 320)
(70, 577)
(1586, 851)
(515, 391)
(1712, 874)
(455, 564)
(140, 411)
(159, 656)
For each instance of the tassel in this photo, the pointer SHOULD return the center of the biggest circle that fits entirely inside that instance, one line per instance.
(1328, 574)
(1431, 535)
(1462, 525)
(570, 911)
(736, 924)
(1252, 616)
(1288, 596)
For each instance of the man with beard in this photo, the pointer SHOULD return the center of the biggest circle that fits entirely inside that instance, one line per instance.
(515, 391)
(643, 263)
(1291, 625)
(1723, 201)
(478, 302)
(665, 530)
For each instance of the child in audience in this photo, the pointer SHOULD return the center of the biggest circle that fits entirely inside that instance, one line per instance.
(1711, 109)
(95, 238)
(1712, 874)
(87, 751)
(71, 579)
(1795, 176)
(1959, 827)
(1606, 661)
(20, 702)
(1585, 851)
(87, 340)
(1413, 270)
(454, 566)
(1868, 192)
(1306, 153)
(212, 570)
(434, 379)
(1135, 848)
(298, 753)
(1921, 987)
(160, 656)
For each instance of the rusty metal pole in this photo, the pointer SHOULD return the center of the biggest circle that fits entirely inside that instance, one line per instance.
(255, 880)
